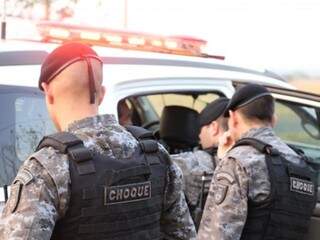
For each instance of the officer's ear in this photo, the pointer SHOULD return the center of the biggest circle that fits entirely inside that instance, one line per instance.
(48, 93)
(214, 128)
(233, 119)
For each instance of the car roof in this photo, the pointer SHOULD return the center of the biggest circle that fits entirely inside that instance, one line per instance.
(23, 58)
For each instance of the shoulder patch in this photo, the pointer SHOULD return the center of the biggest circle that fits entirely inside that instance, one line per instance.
(224, 175)
(24, 176)
(220, 192)
(14, 199)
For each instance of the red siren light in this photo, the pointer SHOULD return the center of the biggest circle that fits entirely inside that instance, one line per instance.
(180, 45)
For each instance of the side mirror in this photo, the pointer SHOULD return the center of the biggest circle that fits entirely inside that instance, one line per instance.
(312, 130)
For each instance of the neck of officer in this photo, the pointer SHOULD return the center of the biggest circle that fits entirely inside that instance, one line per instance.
(69, 115)
(248, 125)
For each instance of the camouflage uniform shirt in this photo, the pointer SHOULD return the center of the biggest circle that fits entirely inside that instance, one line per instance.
(44, 180)
(241, 175)
(193, 165)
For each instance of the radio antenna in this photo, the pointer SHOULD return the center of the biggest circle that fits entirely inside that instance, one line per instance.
(3, 22)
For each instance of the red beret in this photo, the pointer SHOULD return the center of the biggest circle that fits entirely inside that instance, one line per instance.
(62, 57)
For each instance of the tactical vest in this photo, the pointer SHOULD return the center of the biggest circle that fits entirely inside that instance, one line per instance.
(112, 198)
(286, 213)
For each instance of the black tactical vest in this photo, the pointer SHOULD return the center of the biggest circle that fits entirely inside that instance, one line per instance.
(287, 211)
(112, 198)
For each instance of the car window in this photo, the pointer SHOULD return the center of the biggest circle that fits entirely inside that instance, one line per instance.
(23, 123)
(194, 101)
(179, 130)
(298, 124)
(147, 109)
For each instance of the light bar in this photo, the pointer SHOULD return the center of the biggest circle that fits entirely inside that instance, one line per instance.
(156, 43)
(136, 40)
(171, 44)
(181, 45)
(59, 33)
(86, 35)
(113, 38)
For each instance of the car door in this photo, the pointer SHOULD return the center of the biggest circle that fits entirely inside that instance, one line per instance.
(24, 121)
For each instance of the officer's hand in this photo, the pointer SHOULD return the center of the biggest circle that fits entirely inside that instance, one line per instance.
(225, 144)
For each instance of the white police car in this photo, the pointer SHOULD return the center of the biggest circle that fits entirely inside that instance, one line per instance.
(149, 73)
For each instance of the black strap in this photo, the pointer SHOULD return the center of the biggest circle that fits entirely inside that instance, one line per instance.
(68, 143)
(149, 146)
(257, 144)
(140, 133)
(79, 153)
(92, 89)
(5, 191)
(145, 137)
(147, 143)
(60, 141)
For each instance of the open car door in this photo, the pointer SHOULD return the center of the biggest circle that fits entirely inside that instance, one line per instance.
(298, 124)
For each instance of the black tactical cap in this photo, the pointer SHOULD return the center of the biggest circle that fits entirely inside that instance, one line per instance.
(213, 111)
(246, 95)
(65, 55)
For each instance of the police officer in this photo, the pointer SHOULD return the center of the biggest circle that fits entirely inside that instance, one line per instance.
(93, 179)
(125, 113)
(212, 125)
(195, 164)
(261, 188)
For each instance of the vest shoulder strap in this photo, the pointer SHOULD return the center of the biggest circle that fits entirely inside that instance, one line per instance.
(68, 143)
(258, 145)
(145, 138)
(140, 133)
(60, 141)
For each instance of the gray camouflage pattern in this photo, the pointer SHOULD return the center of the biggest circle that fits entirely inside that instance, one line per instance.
(193, 165)
(242, 174)
(44, 199)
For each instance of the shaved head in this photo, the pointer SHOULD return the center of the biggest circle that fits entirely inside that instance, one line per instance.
(71, 78)
(72, 83)
(68, 95)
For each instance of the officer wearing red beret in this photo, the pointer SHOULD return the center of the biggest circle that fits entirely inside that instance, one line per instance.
(93, 179)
